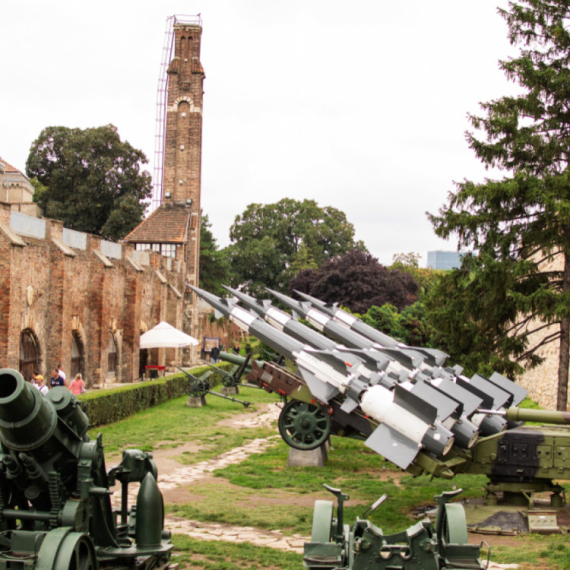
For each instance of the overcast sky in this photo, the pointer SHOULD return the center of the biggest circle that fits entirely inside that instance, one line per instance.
(361, 105)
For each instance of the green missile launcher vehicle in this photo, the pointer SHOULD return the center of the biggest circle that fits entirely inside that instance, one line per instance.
(55, 505)
(520, 462)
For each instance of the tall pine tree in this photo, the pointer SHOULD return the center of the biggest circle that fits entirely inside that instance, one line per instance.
(520, 224)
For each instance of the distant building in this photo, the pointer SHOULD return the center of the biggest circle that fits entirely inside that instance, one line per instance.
(16, 190)
(444, 259)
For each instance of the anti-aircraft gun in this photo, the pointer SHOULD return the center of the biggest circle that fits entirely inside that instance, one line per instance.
(55, 506)
(364, 546)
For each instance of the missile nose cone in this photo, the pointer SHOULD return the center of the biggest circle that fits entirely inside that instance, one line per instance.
(220, 305)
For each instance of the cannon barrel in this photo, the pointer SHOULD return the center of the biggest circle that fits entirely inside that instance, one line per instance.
(237, 359)
(544, 416)
(27, 420)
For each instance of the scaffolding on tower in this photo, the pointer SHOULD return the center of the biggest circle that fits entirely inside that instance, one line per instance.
(161, 104)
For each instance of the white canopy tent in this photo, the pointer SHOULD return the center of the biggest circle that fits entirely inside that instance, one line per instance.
(164, 335)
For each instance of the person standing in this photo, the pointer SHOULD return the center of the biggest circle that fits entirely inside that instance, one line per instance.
(77, 385)
(56, 379)
(214, 354)
(41, 386)
(62, 373)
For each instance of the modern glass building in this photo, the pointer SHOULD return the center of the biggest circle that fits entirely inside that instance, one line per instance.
(443, 259)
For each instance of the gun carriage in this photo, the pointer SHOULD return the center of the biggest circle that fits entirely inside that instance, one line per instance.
(55, 504)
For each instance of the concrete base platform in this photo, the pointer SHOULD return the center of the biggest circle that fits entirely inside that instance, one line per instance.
(313, 458)
(232, 391)
(196, 402)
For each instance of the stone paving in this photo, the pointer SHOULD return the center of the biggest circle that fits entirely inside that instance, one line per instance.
(186, 475)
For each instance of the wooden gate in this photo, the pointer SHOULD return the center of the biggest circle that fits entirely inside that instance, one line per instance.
(29, 354)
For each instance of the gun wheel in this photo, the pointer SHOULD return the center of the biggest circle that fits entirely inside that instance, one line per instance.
(229, 382)
(304, 426)
(197, 388)
(76, 553)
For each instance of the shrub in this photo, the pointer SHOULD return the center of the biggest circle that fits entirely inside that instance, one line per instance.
(108, 406)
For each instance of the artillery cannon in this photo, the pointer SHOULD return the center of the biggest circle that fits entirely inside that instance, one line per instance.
(199, 386)
(364, 546)
(55, 507)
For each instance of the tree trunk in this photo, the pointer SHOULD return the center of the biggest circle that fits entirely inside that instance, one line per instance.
(564, 356)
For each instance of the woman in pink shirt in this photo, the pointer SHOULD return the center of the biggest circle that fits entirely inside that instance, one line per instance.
(77, 386)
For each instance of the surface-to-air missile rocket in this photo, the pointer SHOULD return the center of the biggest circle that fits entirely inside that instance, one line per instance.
(407, 424)
(409, 364)
(449, 410)
(520, 461)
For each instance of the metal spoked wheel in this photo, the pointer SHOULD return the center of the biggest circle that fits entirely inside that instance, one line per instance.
(229, 382)
(304, 426)
(197, 388)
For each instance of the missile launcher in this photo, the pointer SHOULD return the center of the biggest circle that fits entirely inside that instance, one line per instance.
(340, 388)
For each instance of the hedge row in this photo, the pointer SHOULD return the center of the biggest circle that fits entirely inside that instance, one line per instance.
(108, 406)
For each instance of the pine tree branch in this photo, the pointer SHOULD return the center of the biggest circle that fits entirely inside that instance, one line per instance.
(543, 342)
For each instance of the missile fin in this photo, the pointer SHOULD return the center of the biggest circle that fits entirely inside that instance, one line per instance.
(218, 314)
(468, 399)
(519, 393)
(348, 405)
(415, 405)
(319, 389)
(406, 357)
(393, 446)
(434, 357)
(445, 405)
(500, 398)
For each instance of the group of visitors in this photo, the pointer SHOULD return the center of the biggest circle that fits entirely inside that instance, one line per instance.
(58, 378)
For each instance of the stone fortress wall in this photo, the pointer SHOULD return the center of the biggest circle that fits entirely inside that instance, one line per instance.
(63, 288)
(542, 381)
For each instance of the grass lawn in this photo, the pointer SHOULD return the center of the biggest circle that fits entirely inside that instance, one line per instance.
(262, 492)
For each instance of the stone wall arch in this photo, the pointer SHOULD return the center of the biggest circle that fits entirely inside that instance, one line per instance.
(30, 353)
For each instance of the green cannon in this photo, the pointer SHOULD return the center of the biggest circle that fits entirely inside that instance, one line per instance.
(55, 494)
(364, 546)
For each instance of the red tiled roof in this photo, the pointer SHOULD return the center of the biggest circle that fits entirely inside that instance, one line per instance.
(167, 224)
(10, 168)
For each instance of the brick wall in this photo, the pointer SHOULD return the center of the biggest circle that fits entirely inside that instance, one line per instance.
(55, 295)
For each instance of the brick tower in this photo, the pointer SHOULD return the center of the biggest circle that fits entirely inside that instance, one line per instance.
(173, 229)
(183, 149)
(183, 145)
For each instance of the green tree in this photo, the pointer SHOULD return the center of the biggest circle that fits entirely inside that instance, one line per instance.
(270, 241)
(425, 277)
(93, 180)
(214, 264)
(520, 224)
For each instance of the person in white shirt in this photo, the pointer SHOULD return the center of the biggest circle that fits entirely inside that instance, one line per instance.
(41, 386)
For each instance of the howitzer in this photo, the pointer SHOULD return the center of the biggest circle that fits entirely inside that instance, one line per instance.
(199, 386)
(363, 546)
(242, 366)
(55, 507)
